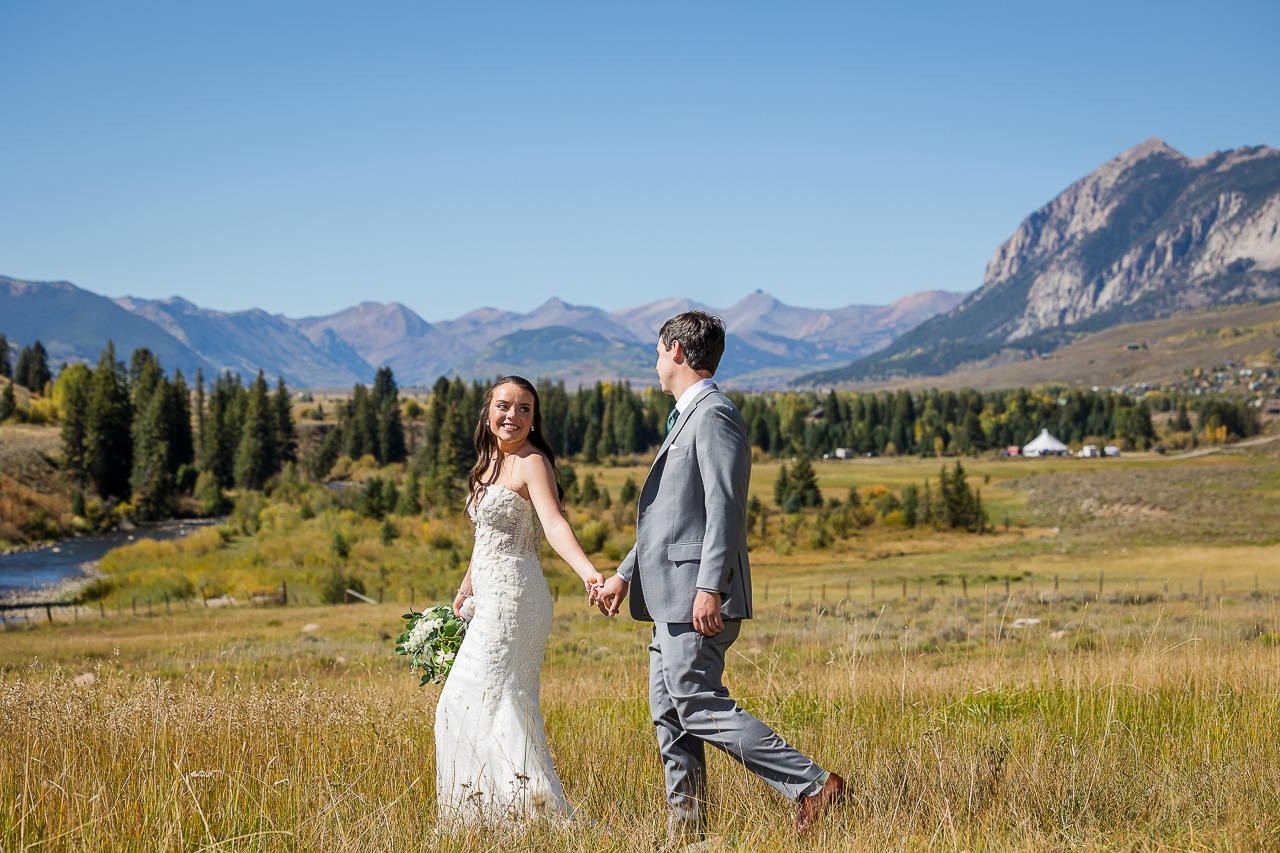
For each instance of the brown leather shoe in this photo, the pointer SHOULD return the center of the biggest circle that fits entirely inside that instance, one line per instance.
(813, 806)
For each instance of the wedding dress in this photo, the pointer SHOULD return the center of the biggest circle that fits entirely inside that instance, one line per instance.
(492, 761)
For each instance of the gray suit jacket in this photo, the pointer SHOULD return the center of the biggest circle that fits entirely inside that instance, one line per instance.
(691, 521)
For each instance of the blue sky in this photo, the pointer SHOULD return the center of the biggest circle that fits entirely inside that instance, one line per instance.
(305, 157)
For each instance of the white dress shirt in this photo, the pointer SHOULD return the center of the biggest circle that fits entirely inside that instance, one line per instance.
(691, 393)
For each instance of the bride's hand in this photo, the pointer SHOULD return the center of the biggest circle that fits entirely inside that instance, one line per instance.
(592, 582)
(458, 601)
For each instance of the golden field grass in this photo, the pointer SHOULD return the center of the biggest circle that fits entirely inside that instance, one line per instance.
(971, 705)
(1107, 726)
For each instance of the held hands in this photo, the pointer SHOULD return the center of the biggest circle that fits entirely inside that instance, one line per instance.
(593, 582)
(611, 594)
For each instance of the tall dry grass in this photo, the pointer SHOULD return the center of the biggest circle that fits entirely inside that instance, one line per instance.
(190, 739)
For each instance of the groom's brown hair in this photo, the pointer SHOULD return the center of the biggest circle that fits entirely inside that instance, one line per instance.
(701, 336)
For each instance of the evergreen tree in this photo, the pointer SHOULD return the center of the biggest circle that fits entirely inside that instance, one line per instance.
(254, 463)
(910, 505)
(629, 492)
(371, 502)
(804, 483)
(8, 402)
(390, 429)
(411, 497)
(1183, 422)
(322, 459)
(958, 506)
(72, 393)
(108, 444)
(590, 491)
(156, 441)
(360, 425)
(222, 428)
(6, 369)
(141, 360)
(286, 437)
(781, 486)
(199, 436)
(184, 440)
(33, 368)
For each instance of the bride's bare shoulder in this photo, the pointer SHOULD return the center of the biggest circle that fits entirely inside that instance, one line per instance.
(533, 463)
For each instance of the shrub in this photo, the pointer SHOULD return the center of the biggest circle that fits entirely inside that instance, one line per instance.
(208, 492)
(186, 478)
(335, 588)
(96, 590)
(247, 514)
(594, 534)
(629, 492)
(388, 532)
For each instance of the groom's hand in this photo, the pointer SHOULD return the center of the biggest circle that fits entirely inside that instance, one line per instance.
(611, 595)
(706, 614)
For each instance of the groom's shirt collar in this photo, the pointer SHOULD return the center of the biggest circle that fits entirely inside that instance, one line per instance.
(691, 393)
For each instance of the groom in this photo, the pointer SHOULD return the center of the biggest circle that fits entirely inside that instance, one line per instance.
(691, 578)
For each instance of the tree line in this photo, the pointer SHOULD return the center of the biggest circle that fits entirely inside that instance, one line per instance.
(938, 423)
(137, 431)
(136, 434)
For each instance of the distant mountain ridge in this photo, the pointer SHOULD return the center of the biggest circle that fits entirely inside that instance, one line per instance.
(770, 342)
(1147, 233)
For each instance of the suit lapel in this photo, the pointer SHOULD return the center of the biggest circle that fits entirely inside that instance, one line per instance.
(680, 422)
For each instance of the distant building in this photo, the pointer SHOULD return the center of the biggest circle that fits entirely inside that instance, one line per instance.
(1045, 445)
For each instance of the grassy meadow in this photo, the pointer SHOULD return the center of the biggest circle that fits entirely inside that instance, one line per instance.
(1100, 674)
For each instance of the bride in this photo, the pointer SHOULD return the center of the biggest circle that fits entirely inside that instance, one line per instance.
(492, 761)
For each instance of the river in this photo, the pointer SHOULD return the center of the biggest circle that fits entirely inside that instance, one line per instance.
(26, 570)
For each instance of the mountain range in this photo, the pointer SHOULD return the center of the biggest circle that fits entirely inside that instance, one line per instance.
(770, 342)
(1148, 233)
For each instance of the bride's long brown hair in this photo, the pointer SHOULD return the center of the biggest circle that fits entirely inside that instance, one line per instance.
(487, 443)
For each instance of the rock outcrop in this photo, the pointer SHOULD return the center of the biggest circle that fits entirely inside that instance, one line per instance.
(1147, 233)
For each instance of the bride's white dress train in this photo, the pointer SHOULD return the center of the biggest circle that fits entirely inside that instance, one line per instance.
(492, 761)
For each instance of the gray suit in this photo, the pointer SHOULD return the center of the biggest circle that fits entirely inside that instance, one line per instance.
(691, 534)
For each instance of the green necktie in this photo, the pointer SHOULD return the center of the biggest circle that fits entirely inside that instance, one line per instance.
(672, 418)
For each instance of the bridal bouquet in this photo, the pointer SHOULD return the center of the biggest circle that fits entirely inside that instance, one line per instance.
(431, 640)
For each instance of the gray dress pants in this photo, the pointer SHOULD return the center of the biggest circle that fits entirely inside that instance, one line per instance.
(691, 707)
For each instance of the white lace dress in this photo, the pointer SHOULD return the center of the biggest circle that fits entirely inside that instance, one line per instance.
(492, 761)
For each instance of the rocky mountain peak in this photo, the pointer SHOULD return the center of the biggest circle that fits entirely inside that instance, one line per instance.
(1147, 233)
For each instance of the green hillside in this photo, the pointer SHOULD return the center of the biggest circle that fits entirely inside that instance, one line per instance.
(558, 352)
(74, 324)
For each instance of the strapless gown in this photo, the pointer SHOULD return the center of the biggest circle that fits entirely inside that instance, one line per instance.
(492, 760)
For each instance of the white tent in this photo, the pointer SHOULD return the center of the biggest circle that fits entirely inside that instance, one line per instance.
(1045, 445)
